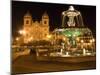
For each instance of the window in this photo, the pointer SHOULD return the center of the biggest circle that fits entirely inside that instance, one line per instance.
(45, 29)
(45, 22)
(27, 22)
(45, 35)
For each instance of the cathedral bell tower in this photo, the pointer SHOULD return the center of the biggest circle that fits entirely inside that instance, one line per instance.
(27, 19)
(45, 19)
(26, 27)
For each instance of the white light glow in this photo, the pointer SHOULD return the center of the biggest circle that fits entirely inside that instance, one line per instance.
(82, 41)
(71, 8)
(22, 32)
(17, 38)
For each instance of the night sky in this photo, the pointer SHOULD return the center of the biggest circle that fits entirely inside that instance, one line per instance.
(19, 9)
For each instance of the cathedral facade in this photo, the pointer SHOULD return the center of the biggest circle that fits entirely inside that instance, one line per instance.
(35, 30)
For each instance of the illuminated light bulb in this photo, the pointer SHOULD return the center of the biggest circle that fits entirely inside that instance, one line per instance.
(23, 32)
(82, 41)
(69, 35)
(77, 39)
(74, 35)
(20, 32)
(17, 39)
(49, 36)
(93, 40)
(64, 38)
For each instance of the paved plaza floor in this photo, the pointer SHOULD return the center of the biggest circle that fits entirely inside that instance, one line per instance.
(29, 64)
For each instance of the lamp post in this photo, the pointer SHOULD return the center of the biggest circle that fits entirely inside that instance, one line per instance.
(23, 35)
(17, 38)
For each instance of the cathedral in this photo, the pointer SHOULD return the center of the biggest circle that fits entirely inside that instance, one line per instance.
(35, 30)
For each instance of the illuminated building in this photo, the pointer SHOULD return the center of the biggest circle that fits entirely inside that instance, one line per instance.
(34, 30)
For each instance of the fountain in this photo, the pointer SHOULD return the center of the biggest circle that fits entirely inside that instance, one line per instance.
(73, 18)
(73, 28)
(74, 31)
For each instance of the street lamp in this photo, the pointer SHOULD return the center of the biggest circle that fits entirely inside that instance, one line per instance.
(82, 41)
(49, 36)
(17, 38)
(22, 32)
(92, 40)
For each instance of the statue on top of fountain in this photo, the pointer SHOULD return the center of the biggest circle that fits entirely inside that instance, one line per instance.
(72, 18)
